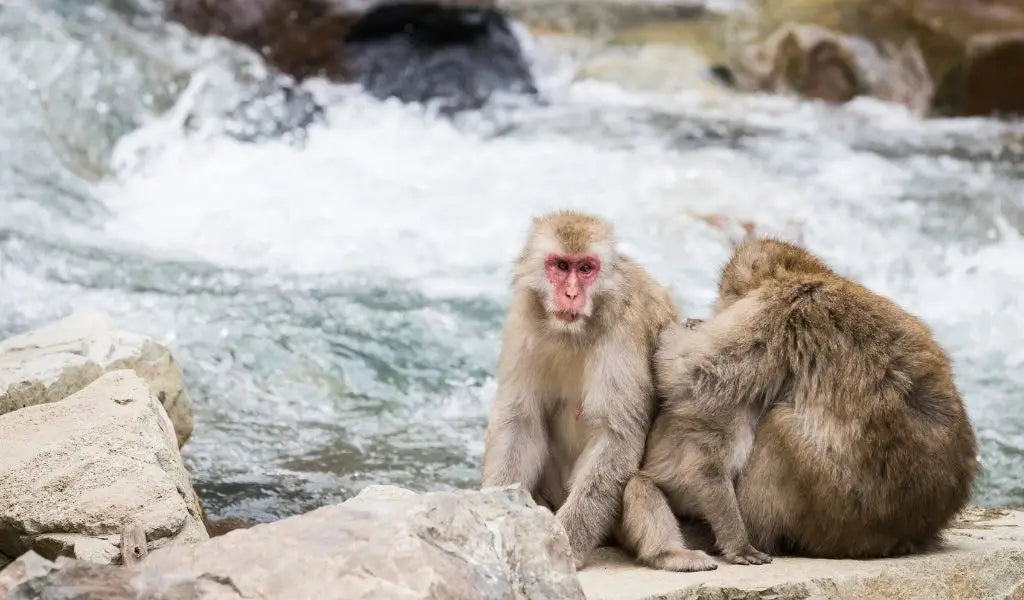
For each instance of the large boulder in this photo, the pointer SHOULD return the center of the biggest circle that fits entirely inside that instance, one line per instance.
(386, 543)
(458, 57)
(73, 473)
(55, 361)
(458, 52)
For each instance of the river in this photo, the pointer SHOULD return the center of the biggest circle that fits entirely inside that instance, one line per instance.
(336, 299)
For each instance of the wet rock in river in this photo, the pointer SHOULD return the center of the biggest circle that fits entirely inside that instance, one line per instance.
(385, 543)
(458, 52)
(992, 78)
(277, 107)
(298, 37)
(74, 472)
(422, 52)
(54, 361)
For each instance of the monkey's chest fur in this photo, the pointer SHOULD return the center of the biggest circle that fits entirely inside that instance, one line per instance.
(562, 383)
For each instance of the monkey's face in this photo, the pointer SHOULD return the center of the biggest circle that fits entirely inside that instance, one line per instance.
(571, 283)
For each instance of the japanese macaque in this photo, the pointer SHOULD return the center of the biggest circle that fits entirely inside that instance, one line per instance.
(575, 392)
(807, 416)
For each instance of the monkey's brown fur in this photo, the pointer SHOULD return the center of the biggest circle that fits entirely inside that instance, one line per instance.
(862, 447)
(575, 401)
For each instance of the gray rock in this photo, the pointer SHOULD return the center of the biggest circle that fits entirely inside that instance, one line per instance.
(72, 472)
(28, 566)
(55, 361)
(385, 543)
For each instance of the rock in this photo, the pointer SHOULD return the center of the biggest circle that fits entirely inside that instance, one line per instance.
(599, 17)
(669, 56)
(983, 559)
(73, 472)
(937, 56)
(277, 107)
(822, 64)
(50, 363)
(657, 68)
(298, 37)
(992, 81)
(456, 56)
(385, 543)
(456, 51)
(218, 527)
(28, 566)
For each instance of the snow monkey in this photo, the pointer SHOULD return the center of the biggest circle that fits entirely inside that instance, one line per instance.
(808, 416)
(575, 393)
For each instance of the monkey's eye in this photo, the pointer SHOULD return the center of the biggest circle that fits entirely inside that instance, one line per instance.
(586, 268)
(563, 266)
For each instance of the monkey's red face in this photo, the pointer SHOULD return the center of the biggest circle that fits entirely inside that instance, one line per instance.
(571, 276)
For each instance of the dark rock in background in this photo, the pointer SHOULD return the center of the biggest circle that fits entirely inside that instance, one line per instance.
(278, 107)
(422, 52)
(456, 52)
(297, 37)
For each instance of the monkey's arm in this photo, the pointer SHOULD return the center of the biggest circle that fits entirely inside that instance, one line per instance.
(618, 408)
(516, 445)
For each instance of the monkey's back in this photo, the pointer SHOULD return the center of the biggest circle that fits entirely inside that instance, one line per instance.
(874, 439)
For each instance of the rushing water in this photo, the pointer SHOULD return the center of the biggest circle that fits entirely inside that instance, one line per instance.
(336, 301)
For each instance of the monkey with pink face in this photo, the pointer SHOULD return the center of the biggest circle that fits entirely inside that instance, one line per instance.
(575, 392)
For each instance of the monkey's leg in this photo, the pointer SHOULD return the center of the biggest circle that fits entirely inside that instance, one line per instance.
(768, 490)
(715, 498)
(650, 529)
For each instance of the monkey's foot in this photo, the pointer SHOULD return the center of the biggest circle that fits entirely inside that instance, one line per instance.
(579, 560)
(747, 556)
(683, 560)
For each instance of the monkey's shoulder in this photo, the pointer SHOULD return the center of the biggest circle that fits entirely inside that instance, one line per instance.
(833, 314)
(645, 305)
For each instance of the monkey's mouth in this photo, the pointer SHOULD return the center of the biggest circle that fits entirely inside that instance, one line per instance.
(567, 316)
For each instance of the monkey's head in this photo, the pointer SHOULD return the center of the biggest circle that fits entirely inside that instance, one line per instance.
(758, 261)
(568, 263)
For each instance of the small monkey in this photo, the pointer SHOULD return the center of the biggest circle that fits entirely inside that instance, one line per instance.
(808, 415)
(575, 392)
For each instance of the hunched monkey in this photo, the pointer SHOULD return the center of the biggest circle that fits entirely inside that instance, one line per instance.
(832, 410)
(575, 393)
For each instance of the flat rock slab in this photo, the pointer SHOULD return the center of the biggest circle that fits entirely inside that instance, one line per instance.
(74, 472)
(52, 362)
(983, 558)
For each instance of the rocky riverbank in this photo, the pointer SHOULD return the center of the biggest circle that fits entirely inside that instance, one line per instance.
(96, 502)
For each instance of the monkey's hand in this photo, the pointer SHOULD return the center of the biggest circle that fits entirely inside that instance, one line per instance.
(747, 556)
(692, 323)
(577, 538)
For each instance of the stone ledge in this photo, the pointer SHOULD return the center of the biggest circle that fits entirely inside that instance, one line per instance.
(983, 558)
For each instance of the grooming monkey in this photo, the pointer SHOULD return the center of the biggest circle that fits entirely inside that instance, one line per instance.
(575, 393)
(808, 415)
